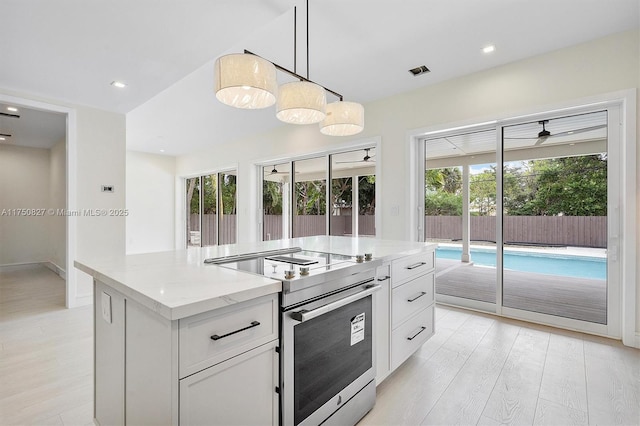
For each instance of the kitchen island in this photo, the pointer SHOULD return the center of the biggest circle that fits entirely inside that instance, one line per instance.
(157, 360)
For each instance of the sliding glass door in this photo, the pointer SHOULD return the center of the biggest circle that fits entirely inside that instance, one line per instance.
(525, 230)
(554, 230)
(211, 209)
(460, 215)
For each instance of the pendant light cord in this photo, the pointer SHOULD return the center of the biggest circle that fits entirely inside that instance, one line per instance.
(307, 39)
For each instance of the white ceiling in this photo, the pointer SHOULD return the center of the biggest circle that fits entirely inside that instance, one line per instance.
(32, 128)
(73, 49)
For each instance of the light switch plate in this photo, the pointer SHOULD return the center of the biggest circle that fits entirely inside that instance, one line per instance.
(106, 307)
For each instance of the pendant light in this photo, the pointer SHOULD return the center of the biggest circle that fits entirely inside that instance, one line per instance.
(343, 119)
(249, 81)
(245, 81)
(301, 102)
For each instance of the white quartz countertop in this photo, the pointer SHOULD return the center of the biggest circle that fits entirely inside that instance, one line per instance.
(177, 284)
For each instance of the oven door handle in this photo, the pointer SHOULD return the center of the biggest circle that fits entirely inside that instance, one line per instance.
(305, 315)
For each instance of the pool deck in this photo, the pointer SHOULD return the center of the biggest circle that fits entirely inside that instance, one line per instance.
(577, 298)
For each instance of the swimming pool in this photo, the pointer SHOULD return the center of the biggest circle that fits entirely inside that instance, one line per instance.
(542, 263)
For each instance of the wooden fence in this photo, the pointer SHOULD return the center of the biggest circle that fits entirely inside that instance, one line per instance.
(209, 230)
(577, 231)
(308, 225)
(304, 226)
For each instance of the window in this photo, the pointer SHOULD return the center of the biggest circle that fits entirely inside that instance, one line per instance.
(295, 194)
(211, 209)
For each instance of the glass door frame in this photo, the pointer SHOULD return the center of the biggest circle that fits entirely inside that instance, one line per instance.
(620, 224)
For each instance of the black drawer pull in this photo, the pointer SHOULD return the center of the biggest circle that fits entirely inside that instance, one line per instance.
(416, 335)
(422, 293)
(253, 324)
(386, 277)
(416, 265)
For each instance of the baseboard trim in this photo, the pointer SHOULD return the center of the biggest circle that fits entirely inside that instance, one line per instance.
(19, 265)
(637, 342)
(56, 269)
(47, 264)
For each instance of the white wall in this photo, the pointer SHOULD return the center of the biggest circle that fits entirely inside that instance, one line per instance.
(24, 184)
(100, 151)
(58, 200)
(150, 202)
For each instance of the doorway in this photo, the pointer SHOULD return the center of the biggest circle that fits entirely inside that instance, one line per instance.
(526, 219)
(34, 126)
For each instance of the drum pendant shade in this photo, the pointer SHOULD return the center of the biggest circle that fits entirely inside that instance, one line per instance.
(343, 119)
(301, 102)
(245, 81)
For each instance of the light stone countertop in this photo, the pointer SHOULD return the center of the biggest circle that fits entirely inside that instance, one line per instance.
(177, 284)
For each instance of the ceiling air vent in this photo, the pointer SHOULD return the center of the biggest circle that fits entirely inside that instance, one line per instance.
(422, 69)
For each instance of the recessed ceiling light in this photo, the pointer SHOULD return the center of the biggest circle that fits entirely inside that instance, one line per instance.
(489, 49)
(118, 84)
(12, 109)
(162, 150)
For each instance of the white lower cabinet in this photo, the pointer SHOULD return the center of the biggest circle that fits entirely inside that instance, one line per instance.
(412, 305)
(218, 367)
(239, 391)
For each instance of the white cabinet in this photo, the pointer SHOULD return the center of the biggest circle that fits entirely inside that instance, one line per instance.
(174, 372)
(239, 391)
(412, 304)
(211, 337)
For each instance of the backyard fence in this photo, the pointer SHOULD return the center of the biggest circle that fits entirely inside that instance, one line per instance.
(577, 231)
(304, 225)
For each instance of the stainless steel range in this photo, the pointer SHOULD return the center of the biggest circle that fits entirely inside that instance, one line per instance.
(327, 371)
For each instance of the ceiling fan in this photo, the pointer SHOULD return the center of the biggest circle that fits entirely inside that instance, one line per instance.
(544, 134)
(366, 159)
(276, 172)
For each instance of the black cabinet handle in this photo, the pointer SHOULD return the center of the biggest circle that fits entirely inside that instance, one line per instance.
(422, 293)
(417, 265)
(386, 277)
(253, 324)
(416, 335)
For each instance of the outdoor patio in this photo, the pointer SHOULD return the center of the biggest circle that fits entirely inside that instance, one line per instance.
(577, 298)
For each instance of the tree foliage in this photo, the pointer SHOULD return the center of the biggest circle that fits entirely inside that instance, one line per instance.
(209, 196)
(571, 186)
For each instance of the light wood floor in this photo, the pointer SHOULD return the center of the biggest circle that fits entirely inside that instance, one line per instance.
(578, 298)
(46, 351)
(486, 370)
(477, 369)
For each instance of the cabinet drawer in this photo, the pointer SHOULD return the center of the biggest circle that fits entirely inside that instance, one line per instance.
(221, 394)
(410, 335)
(411, 297)
(411, 266)
(258, 320)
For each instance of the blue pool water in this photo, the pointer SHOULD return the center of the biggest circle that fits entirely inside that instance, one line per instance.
(542, 263)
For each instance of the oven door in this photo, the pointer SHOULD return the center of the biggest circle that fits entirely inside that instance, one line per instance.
(327, 354)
